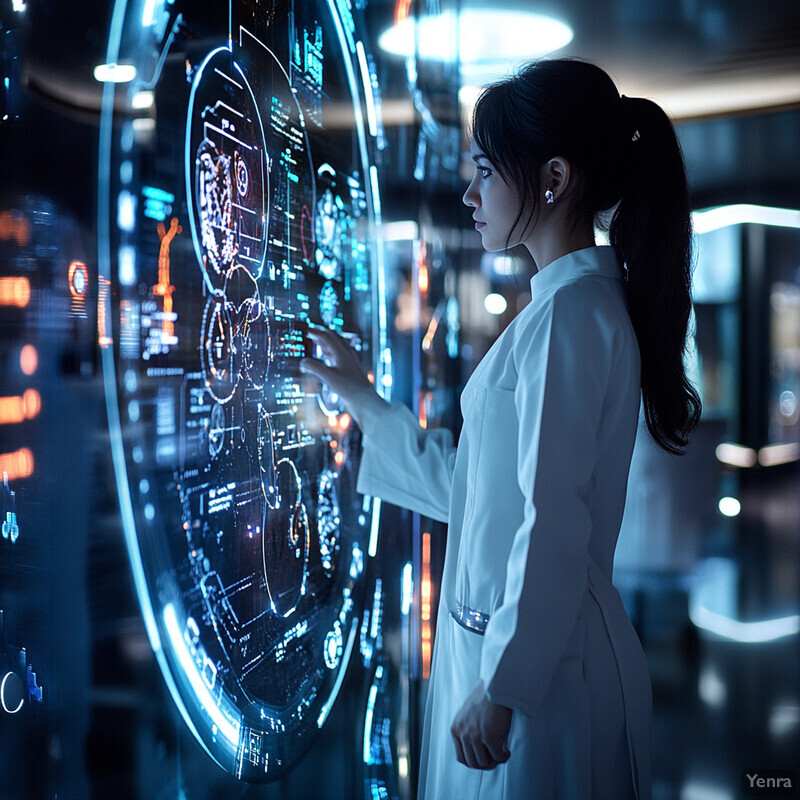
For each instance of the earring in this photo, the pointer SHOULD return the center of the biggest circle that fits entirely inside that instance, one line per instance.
(549, 198)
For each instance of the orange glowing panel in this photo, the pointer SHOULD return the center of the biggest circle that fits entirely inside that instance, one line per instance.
(11, 410)
(163, 288)
(15, 291)
(12, 227)
(31, 403)
(423, 411)
(338, 458)
(17, 409)
(425, 605)
(425, 586)
(78, 278)
(422, 277)
(78, 281)
(103, 339)
(344, 421)
(28, 359)
(18, 464)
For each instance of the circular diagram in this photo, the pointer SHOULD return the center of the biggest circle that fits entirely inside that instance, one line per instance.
(236, 472)
(226, 169)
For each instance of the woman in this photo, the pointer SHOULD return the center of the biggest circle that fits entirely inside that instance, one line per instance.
(539, 686)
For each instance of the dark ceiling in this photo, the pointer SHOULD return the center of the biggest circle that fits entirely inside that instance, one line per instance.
(728, 71)
(732, 54)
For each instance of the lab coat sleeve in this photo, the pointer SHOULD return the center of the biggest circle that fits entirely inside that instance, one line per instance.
(404, 464)
(563, 362)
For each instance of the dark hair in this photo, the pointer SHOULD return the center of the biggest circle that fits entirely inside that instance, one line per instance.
(627, 157)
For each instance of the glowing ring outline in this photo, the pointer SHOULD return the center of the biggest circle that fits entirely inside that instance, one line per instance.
(3, 695)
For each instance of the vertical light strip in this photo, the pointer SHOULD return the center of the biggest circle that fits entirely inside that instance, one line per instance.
(366, 78)
(373, 696)
(407, 584)
(425, 606)
(373, 533)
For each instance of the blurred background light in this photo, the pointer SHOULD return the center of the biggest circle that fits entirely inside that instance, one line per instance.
(735, 455)
(730, 506)
(142, 100)
(114, 73)
(744, 213)
(742, 93)
(479, 38)
(495, 303)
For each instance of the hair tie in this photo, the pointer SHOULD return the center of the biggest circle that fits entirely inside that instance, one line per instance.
(625, 103)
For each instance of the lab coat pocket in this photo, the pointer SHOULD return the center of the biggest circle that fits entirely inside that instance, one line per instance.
(466, 658)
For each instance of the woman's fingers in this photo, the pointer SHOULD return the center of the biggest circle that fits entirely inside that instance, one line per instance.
(473, 753)
(497, 749)
(480, 756)
(335, 349)
(316, 367)
(460, 757)
(338, 365)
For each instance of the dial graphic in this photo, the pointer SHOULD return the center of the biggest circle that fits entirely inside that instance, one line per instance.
(230, 190)
(244, 220)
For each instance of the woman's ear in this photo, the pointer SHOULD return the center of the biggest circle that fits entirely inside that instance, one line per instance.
(557, 176)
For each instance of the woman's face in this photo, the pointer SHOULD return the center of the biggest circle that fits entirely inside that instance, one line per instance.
(496, 204)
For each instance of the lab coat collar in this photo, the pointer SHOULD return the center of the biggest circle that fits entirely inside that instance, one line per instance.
(589, 261)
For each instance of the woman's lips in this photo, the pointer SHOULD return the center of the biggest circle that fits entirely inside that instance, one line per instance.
(479, 225)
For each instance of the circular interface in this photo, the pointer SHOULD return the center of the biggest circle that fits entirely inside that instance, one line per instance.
(245, 220)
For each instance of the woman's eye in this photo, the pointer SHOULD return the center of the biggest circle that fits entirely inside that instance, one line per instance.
(485, 172)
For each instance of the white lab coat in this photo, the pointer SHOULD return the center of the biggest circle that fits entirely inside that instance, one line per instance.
(534, 495)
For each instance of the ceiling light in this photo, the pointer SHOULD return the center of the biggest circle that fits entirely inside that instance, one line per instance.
(477, 37)
(114, 73)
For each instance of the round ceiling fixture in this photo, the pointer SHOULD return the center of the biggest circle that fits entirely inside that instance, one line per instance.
(478, 37)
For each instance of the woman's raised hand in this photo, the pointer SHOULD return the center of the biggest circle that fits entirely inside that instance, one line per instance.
(340, 368)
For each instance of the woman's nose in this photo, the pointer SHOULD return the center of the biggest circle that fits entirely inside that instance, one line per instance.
(468, 197)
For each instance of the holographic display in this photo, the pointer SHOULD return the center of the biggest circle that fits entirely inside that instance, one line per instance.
(239, 205)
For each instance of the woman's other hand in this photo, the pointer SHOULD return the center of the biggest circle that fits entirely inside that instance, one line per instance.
(340, 368)
(480, 731)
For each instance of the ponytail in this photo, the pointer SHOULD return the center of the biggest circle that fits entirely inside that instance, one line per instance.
(651, 234)
(627, 155)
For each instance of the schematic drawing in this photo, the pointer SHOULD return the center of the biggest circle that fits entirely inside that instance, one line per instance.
(241, 219)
